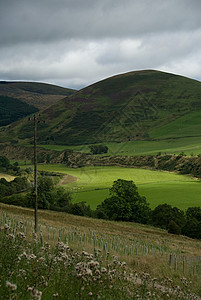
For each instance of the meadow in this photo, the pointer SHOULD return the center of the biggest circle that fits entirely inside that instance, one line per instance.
(187, 125)
(188, 145)
(92, 184)
(77, 257)
(7, 176)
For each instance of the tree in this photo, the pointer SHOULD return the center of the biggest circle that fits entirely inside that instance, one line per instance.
(194, 212)
(60, 198)
(98, 149)
(192, 228)
(173, 228)
(125, 203)
(164, 213)
(4, 162)
(49, 196)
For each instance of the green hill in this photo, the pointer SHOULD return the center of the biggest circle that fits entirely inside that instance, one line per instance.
(12, 109)
(40, 95)
(141, 105)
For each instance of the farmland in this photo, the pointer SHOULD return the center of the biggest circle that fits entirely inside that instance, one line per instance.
(159, 187)
(6, 176)
(190, 145)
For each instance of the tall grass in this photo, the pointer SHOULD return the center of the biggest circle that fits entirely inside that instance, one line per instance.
(58, 259)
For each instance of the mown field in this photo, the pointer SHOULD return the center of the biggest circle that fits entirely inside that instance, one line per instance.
(188, 145)
(7, 177)
(92, 184)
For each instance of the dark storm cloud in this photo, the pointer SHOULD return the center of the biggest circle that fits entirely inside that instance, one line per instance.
(76, 42)
(42, 20)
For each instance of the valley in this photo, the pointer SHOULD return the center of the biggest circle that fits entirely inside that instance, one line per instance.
(150, 123)
(93, 183)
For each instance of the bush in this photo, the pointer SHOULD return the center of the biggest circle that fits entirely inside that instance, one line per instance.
(164, 213)
(173, 228)
(80, 209)
(16, 199)
(98, 149)
(192, 229)
(194, 212)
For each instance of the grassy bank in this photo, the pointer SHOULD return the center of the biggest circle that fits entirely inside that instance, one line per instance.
(150, 273)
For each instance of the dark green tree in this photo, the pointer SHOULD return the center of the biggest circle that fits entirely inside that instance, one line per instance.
(4, 162)
(164, 213)
(194, 212)
(125, 203)
(60, 199)
(173, 228)
(98, 149)
(192, 228)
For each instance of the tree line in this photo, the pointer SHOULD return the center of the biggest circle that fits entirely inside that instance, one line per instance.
(124, 203)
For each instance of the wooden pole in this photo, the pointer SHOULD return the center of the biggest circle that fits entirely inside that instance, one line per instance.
(35, 176)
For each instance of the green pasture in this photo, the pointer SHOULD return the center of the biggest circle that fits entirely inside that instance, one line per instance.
(191, 145)
(7, 177)
(187, 125)
(159, 187)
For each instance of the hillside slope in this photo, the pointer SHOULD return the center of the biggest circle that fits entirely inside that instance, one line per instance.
(12, 109)
(121, 108)
(40, 95)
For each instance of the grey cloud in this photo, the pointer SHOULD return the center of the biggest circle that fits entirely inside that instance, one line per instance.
(77, 42)
(26, 20)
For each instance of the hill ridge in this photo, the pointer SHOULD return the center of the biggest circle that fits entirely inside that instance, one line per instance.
(123, 107)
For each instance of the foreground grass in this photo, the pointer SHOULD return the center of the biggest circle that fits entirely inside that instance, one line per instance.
(159, 187)
(76, 257)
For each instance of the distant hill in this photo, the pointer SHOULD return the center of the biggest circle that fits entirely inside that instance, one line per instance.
(139, 105)
(39, 95)
(12, 109)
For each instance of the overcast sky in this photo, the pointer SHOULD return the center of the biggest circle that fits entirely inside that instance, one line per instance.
(74, 43)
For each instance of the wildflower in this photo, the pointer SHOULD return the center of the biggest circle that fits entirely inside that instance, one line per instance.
(21, 235)
(41, 259)
(10, 285)
(55, 295)
(11, 236)
(88, 272)
(6, 227)
(93, 263)
(103, 270)
(97, 272)
(90, 293)
(35, 293)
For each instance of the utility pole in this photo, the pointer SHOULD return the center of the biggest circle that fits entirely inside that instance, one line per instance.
(35, 174)
(36, 121)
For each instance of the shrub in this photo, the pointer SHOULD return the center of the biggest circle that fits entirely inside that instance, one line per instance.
(98, 149)
(192, 229)
(173, 228)
(164, 213)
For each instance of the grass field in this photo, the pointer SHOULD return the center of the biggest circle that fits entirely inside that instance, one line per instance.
(159, 187)
(7, 177)
(187, 125)
(187, 145)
